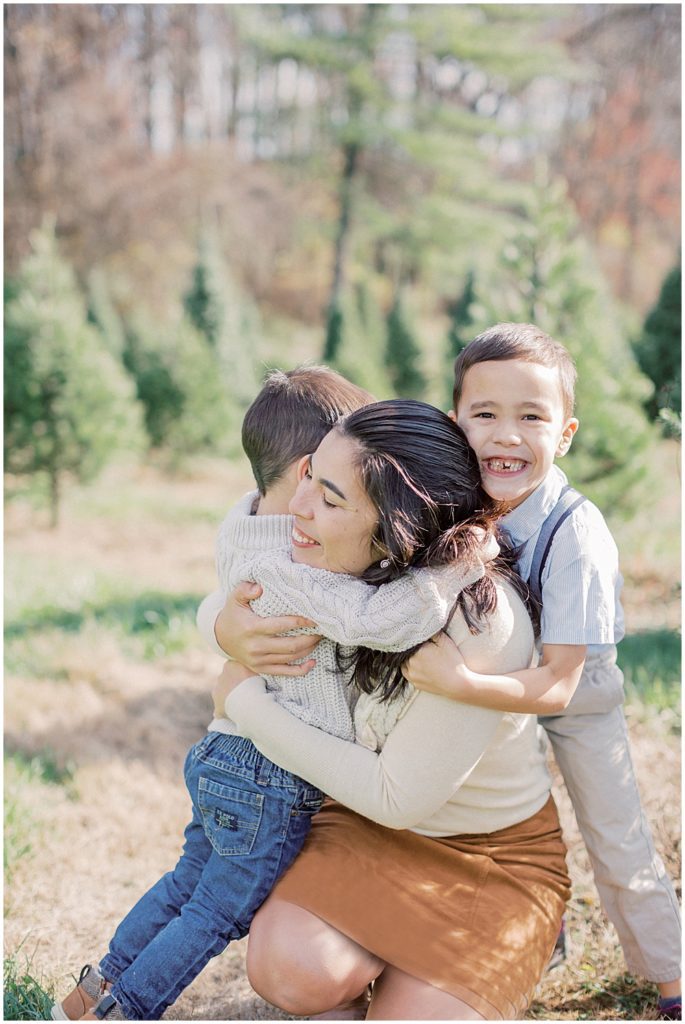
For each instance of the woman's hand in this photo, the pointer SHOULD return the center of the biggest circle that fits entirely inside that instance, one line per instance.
(232, 675)
(438, 667)
(257, 642)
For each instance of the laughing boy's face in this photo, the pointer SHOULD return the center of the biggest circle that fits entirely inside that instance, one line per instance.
(513, 415)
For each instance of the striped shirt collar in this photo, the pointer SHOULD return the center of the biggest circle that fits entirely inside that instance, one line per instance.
(522, 522)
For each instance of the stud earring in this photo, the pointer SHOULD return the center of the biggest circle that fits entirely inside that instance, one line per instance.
(385, 563)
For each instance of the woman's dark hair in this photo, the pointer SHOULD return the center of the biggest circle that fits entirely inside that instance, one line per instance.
(417, 468)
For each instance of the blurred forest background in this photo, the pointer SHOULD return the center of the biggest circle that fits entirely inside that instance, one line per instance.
(195, 193)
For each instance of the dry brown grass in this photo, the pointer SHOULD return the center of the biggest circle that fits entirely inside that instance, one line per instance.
(124, 725)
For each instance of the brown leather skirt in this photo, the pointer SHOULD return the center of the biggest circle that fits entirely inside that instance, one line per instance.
(474, 915)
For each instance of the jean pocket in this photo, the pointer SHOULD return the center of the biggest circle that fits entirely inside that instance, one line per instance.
(231, 817)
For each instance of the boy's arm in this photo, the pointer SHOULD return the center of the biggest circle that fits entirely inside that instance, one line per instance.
(438, 667)
(391, 617)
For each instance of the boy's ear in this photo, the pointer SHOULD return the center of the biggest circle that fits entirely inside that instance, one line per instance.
(567, 433)
(452, 415)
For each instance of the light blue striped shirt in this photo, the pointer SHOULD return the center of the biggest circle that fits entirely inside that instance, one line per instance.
(581, 582)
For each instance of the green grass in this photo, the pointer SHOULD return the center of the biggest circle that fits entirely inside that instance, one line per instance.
(23, 773)
(24, 997)
(651, 664)
(145, 626)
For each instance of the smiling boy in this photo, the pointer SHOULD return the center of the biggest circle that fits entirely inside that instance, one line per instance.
(514, 399)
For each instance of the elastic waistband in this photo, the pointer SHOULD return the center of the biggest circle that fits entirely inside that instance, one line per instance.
(244, 759)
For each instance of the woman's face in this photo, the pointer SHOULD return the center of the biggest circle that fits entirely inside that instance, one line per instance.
(334, 517)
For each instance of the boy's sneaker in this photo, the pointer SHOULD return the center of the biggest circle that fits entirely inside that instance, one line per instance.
(559, 952)
(88, 989)
(106, 1008)
(671, 1009)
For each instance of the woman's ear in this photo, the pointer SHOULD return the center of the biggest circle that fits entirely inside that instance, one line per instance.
(566, 437)
(302, 467)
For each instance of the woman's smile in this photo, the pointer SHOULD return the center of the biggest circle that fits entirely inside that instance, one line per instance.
(301, 540)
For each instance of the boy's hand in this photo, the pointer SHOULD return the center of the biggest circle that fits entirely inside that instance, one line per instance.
(437, 667)
(232, 675)
(257, 642)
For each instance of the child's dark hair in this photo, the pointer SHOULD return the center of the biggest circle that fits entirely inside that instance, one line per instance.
(518, 341)
(292, 414)
(417, 468)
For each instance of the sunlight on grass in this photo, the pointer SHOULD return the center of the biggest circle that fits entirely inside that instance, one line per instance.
(651, 664)
(24, 774)
(40, 641)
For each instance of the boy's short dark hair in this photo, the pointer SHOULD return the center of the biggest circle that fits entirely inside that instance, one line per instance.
(518, 341)
(292, 414)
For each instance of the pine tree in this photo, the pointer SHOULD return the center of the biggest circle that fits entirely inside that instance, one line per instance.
(225, 316)
(206, 419)
(102, 313)
(402, 354)
(548, 277)
(658, 350)
(69, 405)
(360, 353)
(460, 331)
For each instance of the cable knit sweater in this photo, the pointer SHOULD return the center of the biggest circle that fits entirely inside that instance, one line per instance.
(422, 762)
(391, 617)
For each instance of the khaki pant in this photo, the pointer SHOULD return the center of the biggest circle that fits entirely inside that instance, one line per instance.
(593, 754)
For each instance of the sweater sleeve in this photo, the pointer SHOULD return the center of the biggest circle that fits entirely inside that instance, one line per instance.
(206, 617)
(426, 758)
(392, 617)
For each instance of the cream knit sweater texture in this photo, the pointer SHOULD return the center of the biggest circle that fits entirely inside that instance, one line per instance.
(424, 762)
(392, 617)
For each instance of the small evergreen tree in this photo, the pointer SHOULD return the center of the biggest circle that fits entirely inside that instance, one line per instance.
(360, 357)
(207, 419)
(460, 331)
(69, 405)
(548, 277)
(402, 354)
(179, 383)
(334, 334)
(158, 391)
(658, 350)
(102, 313)
(227, 319)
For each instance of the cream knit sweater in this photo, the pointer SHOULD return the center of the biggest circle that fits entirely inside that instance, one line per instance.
(427, 763)
(391, 617)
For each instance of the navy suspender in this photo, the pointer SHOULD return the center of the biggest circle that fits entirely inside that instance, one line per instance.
(569, 499)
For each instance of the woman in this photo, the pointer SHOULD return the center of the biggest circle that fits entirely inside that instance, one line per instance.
(440, 873)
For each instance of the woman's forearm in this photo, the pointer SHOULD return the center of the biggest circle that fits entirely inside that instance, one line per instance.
(426, 757)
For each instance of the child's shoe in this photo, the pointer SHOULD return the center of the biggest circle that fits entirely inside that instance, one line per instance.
(671, 1009)
(106, 1008)
(87, 991)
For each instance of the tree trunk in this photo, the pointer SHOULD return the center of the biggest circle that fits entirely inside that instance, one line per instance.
(351, 154)
(53, 477)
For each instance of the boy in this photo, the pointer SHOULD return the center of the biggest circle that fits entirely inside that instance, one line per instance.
(514, 397)
(250, 817)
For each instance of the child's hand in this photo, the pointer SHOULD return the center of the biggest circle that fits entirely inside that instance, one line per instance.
(437, 667)
(256, 641)
(232, 675)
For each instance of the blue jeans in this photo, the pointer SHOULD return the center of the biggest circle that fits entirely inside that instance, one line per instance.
(250, 819)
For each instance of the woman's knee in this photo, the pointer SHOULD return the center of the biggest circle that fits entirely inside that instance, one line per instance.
(301, 964)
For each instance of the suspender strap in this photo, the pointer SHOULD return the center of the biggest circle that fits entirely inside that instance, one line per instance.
(569, 499)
